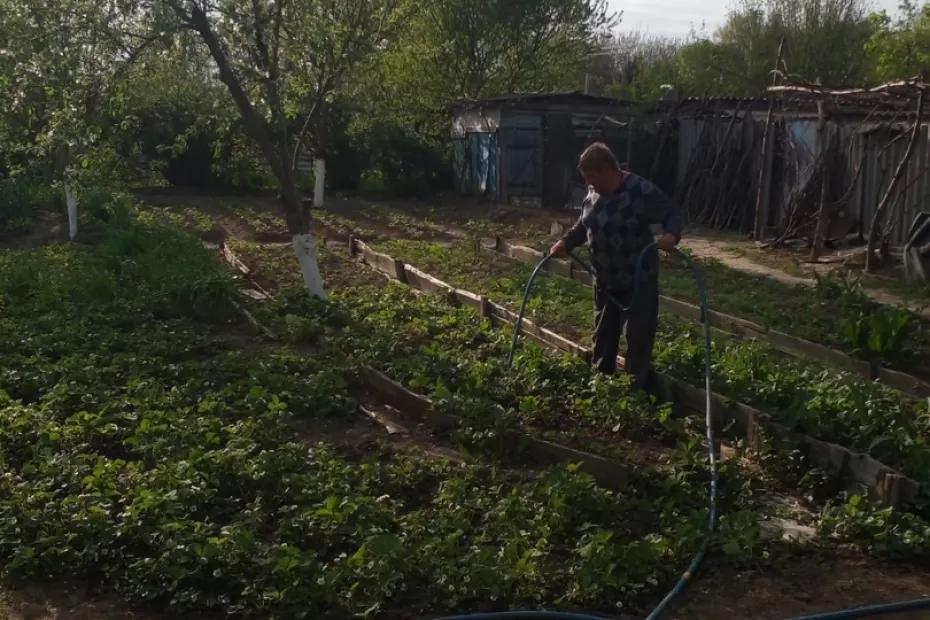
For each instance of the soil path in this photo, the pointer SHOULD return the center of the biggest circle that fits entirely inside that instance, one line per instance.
(710, 249)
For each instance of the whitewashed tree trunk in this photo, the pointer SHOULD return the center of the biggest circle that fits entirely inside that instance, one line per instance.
(71, 199)
(319, 182)
(309, 267)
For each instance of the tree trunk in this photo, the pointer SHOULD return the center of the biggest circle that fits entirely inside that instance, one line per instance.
(886, 201)
(298, 227)
(274, 147)
(822, 138)
(71, 200)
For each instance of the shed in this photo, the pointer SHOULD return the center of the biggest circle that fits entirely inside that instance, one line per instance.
(865, 135)
(524, 147)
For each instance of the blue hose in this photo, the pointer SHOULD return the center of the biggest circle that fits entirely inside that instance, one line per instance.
(871, 611)
(712, 458)
(524, 615)
(526, 297)
(711, 453)
(685, 578)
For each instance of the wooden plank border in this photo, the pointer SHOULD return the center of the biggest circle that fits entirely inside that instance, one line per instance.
(239, 265)
(886, 484)
(422, 281)
(607, 472)
(798, 347)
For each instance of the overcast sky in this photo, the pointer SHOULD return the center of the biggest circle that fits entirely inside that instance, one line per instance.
(675, 18)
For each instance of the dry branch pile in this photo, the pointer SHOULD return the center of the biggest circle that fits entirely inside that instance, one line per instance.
(718, 184)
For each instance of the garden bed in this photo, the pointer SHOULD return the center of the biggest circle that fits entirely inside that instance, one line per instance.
(736, 326)
(687, 352)
(677, 488)
(153, 450)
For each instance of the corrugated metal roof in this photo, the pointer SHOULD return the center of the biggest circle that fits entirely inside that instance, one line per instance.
(708, 104)
(556, 97)
(725, 100)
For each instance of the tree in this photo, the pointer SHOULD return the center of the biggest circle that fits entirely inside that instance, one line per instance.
(823, 39)
(902, 48)
(279, 60)
(457, 49)
(58, 61)
(634, 65)
(175, 118)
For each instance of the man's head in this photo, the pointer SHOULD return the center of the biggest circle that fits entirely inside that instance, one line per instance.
(600, 169)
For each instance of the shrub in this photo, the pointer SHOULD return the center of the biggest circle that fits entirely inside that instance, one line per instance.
(403, 163)
(19, 199)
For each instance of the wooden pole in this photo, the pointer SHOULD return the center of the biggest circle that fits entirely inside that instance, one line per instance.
(886, 200)
(765, 160)
(817, 244)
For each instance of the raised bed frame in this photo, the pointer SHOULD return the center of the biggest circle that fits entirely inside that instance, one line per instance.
(853, 469)
(607, 472)
(798, 347)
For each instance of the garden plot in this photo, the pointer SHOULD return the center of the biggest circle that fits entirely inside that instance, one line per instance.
(834, 518)
(837, 313)
(680, 485)
(787, 388)
(871, 369)
(826, 404)
(877, 339)
(386, 315)
(442, 352)
(153, 450)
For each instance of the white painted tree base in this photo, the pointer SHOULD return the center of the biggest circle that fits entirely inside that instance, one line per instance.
(309, 267)
(71, 199)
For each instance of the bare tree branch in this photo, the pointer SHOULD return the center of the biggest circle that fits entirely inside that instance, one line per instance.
(895, 179)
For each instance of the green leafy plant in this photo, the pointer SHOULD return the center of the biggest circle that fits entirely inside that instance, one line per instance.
(831, 405)
(843, 284)
(145, 452)
(883, 529)
(19, 199)
(878, 336)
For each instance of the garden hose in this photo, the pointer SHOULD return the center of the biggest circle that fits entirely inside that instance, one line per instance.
(545, 259)
(712, 458)
(871, 611)
(524, 615)
(685, 578)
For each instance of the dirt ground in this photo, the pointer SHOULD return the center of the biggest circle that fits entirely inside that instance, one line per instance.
(63, 602)
(787, 588)
(799, 586)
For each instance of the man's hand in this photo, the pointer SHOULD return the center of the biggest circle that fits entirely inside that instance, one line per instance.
(667, 242)
(558, 249)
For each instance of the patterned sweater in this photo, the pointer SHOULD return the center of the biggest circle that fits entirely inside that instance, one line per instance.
(617, 227)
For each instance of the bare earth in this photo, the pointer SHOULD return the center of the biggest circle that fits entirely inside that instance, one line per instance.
(705, 248)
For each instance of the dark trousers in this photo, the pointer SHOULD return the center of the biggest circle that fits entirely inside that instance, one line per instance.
(640, 324)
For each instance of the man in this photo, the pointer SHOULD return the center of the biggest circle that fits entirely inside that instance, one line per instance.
(616, 223)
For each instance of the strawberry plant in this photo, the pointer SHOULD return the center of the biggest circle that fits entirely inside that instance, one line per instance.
(146, 451)
(820, 314)
(832, 405)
